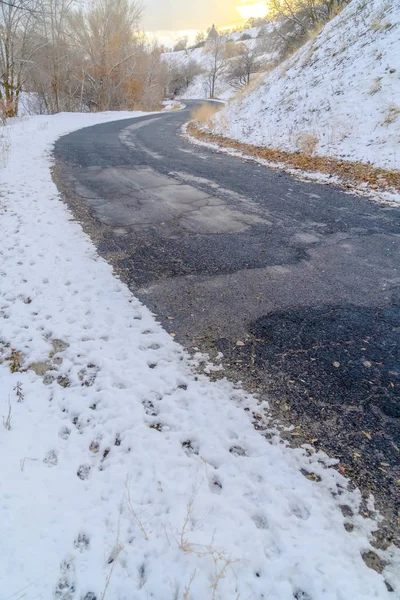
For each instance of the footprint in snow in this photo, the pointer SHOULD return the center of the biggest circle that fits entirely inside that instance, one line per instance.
(238, 451)
(51, 459)
(215, 485)
(64, 433)
(301, 512)
(190, 447)
(149, 408)
(301, 595)
(82, 542)
(260, 521)
(153, 346)
(65, 588)
(84, 472)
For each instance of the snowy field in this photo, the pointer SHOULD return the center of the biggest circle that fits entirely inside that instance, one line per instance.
(338, 96)
(124, 474)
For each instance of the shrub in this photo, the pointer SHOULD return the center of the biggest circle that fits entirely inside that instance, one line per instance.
(203, 115)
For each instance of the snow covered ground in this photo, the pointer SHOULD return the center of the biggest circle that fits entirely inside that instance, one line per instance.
(339, 95)
(124, 474)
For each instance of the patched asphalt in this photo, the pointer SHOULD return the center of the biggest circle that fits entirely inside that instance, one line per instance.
(296, 283)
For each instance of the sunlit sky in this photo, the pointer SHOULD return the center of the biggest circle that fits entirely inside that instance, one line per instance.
(170, 18)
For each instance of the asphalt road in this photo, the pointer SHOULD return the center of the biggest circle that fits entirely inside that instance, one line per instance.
(304, 276)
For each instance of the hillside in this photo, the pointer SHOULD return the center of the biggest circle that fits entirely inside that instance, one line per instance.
(264, 40)
(339, 95)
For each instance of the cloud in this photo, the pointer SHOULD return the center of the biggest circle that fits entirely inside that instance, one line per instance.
(188, 14)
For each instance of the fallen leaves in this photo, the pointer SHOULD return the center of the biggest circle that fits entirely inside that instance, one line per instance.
(351, 173)
(310, 476)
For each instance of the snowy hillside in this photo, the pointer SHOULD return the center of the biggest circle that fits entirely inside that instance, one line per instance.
(268, 50)
(339, 95)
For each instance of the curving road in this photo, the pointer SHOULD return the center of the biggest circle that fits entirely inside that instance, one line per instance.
(304, 276)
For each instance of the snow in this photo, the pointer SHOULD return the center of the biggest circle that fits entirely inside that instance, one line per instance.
(172, 105)
(126, 473)
(198, 88)
(343, 89)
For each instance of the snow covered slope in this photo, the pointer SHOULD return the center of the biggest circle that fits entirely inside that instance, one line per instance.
(268, 52)
(339, 95)
(125, 474)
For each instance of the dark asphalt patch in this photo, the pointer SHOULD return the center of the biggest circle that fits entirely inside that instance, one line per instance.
(337, 370)
(155, 257)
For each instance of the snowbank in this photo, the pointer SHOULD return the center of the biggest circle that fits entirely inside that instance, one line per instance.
(123, 473)
(339, 95)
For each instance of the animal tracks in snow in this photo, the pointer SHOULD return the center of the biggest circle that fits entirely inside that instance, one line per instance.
(160, 469)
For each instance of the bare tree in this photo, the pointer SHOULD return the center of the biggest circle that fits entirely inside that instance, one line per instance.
(200, 39)
(75, 59)
(240, 69)
(17, 49)
(146, 89)
(215, 64)
(107, 37)
(181, 76)
(181, 43)
(24, 5)
(306, 13)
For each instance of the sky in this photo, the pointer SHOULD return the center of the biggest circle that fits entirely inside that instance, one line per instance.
(171, 17)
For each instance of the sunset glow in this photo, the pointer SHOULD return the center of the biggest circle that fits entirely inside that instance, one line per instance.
(251, 10)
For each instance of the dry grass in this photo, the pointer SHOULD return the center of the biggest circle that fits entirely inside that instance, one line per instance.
(203, 114)
(133, 513)
(7, 420)
(314, 33)
(351, 173)
(221, 559)
(392, 112)
(306, 143)
(376, 86)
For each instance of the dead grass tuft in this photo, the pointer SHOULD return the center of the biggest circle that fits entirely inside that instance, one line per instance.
(15, 360)
(314, 33)
(351, 173)
(203, 115)
(376, 86)
(306, 143)
(391, 114)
